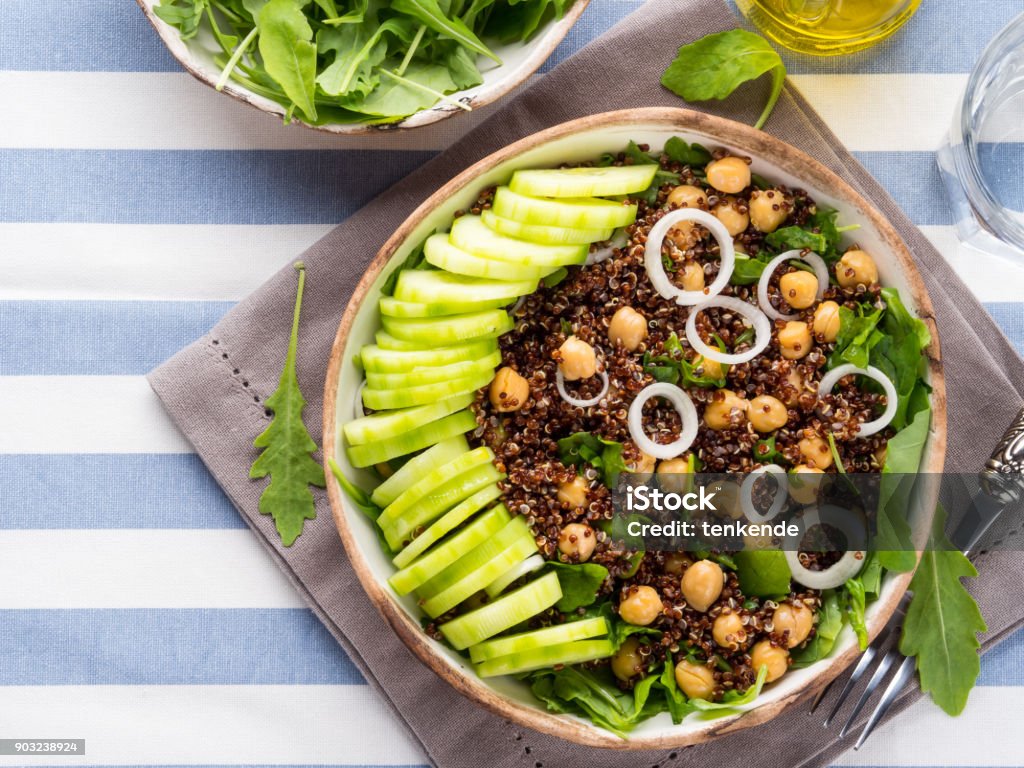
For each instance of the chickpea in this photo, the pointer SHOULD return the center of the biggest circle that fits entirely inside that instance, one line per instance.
(684, 235)
(628, 328)
(574, 492)
(672, 474)
(695, 680)
(676, 562)
(764, 654)
(815, 452)
(795, 340)
(799, 289)
(702, 584)
(731, 216)
(577, 539)
(643, 465)
(509, 391)
(579, 361)
(687, 196)
(826, 321)
(641, 606)
(730, 174)
(794, 621)
(726, 410)
(804, 491)
(768, 209)
(795, 379)
(856, 268)
(767, 413)
(627, 662)
(728, 630)
(693, 276)
(709, 368)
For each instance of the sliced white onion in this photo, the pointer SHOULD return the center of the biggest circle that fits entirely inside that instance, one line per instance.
(747, 493)
(820, 272)
(844, 568)
(656, 268)
(828, 381)
(560, 383)
(618, 240)
(757, 318)
(684, 407)
(529, 565)
(358, 410)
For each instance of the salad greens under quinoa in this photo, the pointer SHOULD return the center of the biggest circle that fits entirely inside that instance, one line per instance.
(357, 61)
(672, 313)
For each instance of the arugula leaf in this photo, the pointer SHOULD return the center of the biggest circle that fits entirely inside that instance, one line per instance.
(587, 448)
(428, 12)
(581, 692)
(942, 623)
(716, 65)
(363, 503)
(733, 699)
(687, 154)
(674, 368)
(796, 238)
(183, 14)
(747, 271)
(857, 336)
(763, 572)
(856, 604)
(415, 260)
(898, 353)
(579, 582)
(287, 458)
(830, 622)
(289, 55)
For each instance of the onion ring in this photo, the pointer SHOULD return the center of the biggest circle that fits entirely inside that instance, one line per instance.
(560, 383)
(846, 567)
(828, 381)
(618, 239)
(656, 269)
(747, 494)
(684, 407)
(757, 318)
(820, 272)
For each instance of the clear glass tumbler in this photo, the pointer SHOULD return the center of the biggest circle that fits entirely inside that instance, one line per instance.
(982, 161)
(828, 27)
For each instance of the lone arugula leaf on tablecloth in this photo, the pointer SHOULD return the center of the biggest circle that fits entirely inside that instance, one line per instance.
(288, 456)
(716, 65)
(942, 623)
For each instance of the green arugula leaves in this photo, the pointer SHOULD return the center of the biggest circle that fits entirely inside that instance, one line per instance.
(603, 455)
(580, 583)
(716, 65)
(356, 61)
(288, 447)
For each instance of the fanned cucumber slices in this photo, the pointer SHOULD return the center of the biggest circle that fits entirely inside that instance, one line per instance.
(453, 542)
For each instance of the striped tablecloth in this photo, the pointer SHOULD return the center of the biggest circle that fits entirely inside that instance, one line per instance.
(136, 610)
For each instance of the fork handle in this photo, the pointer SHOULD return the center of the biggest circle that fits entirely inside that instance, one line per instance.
(1003, 475)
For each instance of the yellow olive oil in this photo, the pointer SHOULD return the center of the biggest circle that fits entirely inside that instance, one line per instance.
(828, 27)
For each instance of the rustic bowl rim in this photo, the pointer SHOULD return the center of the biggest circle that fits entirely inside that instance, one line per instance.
(739, 137)
(543, 44)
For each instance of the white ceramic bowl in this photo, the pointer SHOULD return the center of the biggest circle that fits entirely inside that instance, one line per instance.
(581, 140)
(519, 61)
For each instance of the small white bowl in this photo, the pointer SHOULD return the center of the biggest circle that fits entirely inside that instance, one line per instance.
(519, 61)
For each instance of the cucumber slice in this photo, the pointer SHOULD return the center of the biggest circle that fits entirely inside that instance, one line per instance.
(388, 424)
(401, 531)
(443, 555)
(386, 341)
(417, 468)
(583, 182)
(433, 479)
(382, 399)
(584, 213)
(430, 286)
(529, 565)
(540, 658)
(449, 522)
(538, 233)
(417, 377)
(415, 440)
(446, 331)
(380, 360)
(473, 236)
(515, 607)
(538, 638)
(393, 307)
(473, 571)
(443, 254)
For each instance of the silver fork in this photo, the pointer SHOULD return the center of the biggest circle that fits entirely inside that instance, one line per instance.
(1002, 483)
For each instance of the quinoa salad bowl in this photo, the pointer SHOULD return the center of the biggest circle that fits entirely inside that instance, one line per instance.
(651, 291)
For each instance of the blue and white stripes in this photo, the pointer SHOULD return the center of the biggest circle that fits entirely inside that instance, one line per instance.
(136, 206)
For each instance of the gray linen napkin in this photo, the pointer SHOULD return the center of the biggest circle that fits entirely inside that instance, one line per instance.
(211, 390)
